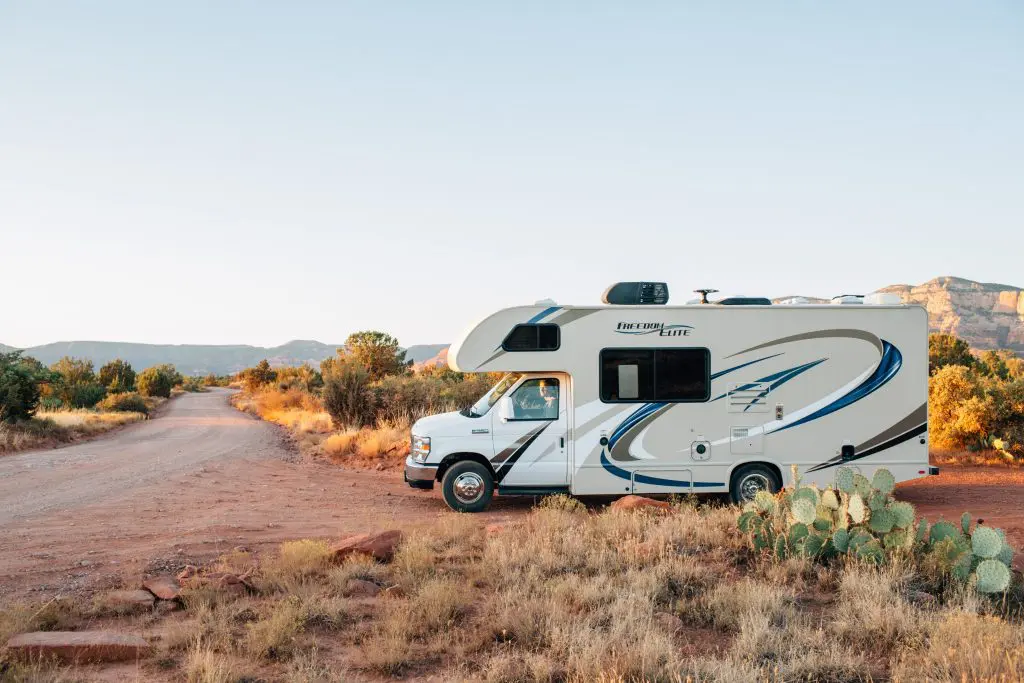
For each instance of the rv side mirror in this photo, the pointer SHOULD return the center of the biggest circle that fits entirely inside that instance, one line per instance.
(505, 409)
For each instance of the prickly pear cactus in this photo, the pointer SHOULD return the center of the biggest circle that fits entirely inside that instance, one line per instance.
(829, 499)
(844, 480)
(871, 552)
(841, 540)
(985, 542)
(857, 510)
(807, 493)
(922, 531)
(965, 523)
(903, 515)
(992, 577)
(883, 481)
(942, 530)
(861, 485)
(881, 521)
(803, 511)
(764, 501)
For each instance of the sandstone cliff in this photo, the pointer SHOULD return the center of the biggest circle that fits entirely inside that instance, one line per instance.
(987, 316)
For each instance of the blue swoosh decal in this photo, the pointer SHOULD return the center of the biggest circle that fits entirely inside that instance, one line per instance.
(887, 368)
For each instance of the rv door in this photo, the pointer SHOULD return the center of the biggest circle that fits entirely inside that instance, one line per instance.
(530, 432)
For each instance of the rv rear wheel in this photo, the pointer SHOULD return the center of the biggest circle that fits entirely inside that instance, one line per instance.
(467, 487)
(748, 480)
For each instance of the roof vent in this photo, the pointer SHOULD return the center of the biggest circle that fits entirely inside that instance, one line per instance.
(636, 294)
(848, 299)
(745, 301)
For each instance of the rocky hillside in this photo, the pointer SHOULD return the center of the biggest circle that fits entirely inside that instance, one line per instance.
(987, 316)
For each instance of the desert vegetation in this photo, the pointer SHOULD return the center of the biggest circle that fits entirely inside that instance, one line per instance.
(975, 403)
(44, 406)
(669, 592)
(358, 406)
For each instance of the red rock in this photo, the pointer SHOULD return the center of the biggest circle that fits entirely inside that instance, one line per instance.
(380, 546)
(187, 573)
(78, 646)
(639, 503)
(127, 601)
(358, 588)
(163, 587)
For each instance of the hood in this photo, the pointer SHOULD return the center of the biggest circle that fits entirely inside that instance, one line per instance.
(446, 424)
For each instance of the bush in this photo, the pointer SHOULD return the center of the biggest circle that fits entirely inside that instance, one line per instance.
(117, 376)
(21, 382)
(256, 377)
(347, 396)
(77, 385)
(124, 402)
(155, 381)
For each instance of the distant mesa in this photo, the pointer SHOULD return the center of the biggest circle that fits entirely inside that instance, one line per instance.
(986, 315)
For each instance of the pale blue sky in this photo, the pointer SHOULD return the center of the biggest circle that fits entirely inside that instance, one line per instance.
(244, 172)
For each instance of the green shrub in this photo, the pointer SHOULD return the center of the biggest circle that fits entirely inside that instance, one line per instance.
(155, 381)
(256, 377)
(124, 402)
(346, 394)
(21, 384)
(76, 384)
(117, 376)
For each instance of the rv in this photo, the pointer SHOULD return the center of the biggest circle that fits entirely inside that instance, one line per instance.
(636, 396)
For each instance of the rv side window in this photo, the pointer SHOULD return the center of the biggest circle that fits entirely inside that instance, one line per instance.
(532, 338)
(663, 375)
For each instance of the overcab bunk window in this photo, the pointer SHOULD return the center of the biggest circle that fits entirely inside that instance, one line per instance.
(544, 337)
(655, 375)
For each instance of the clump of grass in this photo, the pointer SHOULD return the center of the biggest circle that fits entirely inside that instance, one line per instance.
(274, 636)
(967, 647)
(295, 561)
(203, 664)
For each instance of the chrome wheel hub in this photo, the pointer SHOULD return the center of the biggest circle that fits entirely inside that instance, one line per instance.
(468, 487)
(751, 484)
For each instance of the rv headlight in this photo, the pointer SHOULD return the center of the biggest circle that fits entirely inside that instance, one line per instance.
(420, 448)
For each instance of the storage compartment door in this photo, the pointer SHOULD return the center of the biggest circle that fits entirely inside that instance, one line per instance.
(662, 481)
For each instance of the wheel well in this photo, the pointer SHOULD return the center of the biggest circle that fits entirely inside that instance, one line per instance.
(453, 458)
(770, 465)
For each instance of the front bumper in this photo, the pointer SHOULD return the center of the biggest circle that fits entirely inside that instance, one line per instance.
(419, 476)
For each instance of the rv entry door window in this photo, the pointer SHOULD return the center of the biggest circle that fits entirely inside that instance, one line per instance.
(536, 399)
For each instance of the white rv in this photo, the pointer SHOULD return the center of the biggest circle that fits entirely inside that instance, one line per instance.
(720, 397)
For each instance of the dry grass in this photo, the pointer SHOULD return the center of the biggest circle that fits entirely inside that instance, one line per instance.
(385, 445)
(48, 429)
(567, 594)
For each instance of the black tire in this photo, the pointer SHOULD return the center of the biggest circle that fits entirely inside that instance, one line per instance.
(749, 479)
(467, 487)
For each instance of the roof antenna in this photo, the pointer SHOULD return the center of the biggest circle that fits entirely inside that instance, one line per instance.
(704, 294)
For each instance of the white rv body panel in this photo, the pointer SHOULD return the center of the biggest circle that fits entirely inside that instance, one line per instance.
(788, 385)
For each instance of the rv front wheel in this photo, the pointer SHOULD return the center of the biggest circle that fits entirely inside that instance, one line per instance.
(467, 487)
(748, 480)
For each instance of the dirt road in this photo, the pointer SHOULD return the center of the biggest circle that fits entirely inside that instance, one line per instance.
(204, 478)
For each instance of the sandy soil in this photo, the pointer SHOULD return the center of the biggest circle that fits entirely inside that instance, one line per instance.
(204, 478)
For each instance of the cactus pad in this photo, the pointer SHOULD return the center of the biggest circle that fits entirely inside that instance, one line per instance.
(764, 501)
(806, 493)
(898, 539)
(992, 576)
(841, 540)
(844, 479)
(1005, 554)
(781, 549)
(871, 552)
(829, 499)
(881, 521)
(878, 501)
(985, 542)
(883, 481)
(922, 530)
(965, 523)
(804, 511)
(814, 545)
(857, 511)
(903, 515)
(858, 539)
(861, 485)
(942, 530)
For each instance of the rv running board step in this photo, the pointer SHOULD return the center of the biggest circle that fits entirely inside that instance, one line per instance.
(531, 490)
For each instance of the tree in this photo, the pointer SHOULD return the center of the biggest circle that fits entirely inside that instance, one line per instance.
(947, 349)
(993, 364)
(959, 414)
(21, 382)
(78, 386)
(346, 394)
(117, 376)
(378, 352)
(177, 379)
(155, 381)
(259, 376)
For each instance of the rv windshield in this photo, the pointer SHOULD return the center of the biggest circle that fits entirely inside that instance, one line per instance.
(481, 407)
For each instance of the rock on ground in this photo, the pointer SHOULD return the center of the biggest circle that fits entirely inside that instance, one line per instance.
(128, 601)
(358, 588)
(632, 502)
(163, 587)
(380, 546)
(79, 647)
